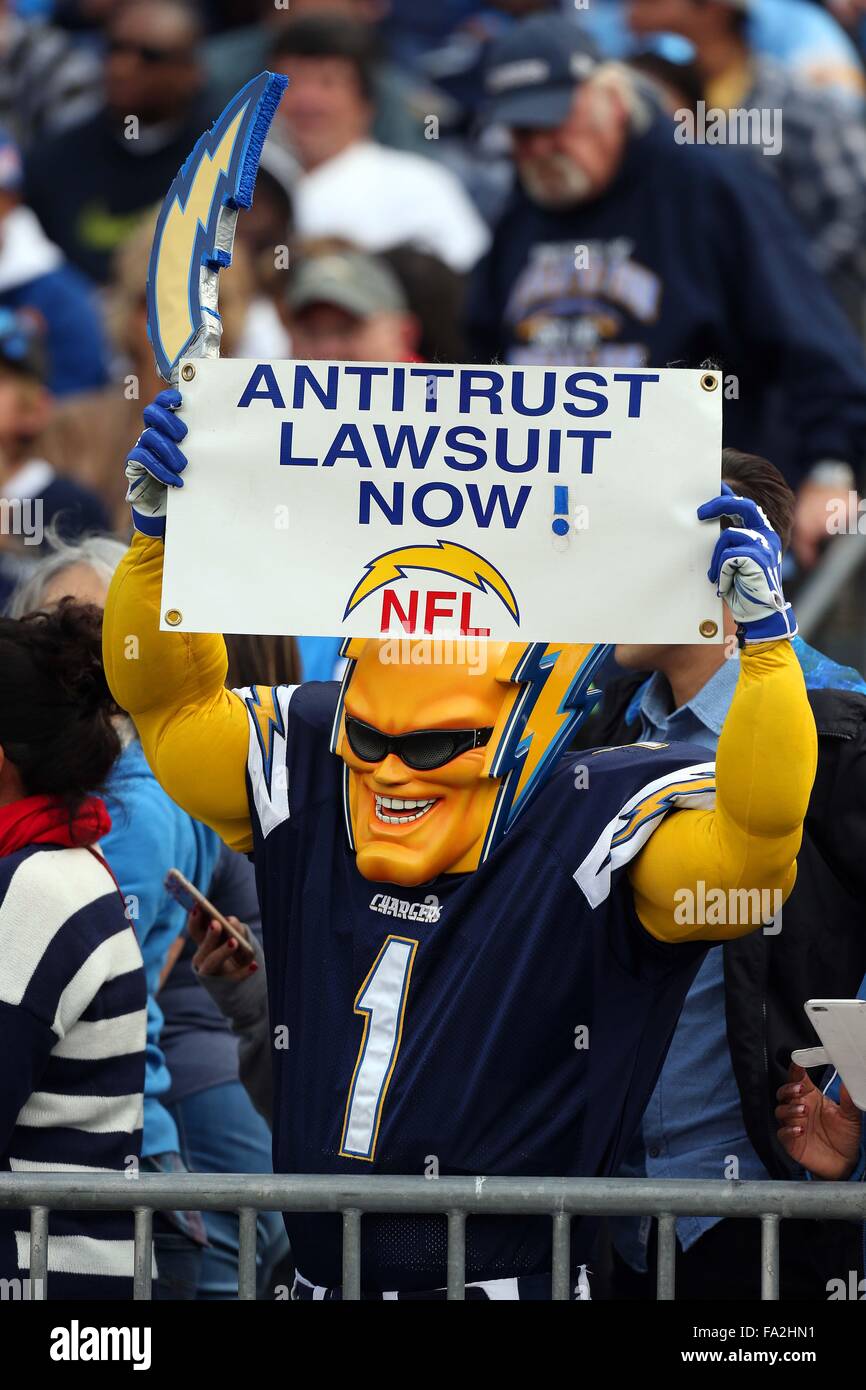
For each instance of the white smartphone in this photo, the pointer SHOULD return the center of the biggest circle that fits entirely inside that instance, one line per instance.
(841, 1026)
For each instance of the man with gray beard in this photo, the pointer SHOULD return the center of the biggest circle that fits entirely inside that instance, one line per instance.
(624, 248)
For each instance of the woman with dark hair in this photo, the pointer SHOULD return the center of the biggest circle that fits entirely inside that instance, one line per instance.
(72, 988)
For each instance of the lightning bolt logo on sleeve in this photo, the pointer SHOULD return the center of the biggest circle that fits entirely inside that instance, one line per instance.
(626, 834)
(268, 709)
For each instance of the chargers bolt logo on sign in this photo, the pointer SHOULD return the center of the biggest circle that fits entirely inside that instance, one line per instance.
(444, 557)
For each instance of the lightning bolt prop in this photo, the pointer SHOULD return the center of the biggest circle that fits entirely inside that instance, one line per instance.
(445, 557)
(196, 226)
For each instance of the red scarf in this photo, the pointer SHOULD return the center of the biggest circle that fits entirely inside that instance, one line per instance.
(44, 820)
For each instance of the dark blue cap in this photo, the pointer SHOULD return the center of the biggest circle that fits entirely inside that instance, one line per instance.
(532, 70)
(22, 346)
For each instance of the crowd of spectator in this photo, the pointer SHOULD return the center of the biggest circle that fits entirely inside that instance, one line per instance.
(443, 182)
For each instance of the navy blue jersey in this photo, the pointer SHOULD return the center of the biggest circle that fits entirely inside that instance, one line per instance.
(507, 1021)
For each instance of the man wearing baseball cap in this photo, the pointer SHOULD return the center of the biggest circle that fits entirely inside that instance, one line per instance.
(343, 305)
(33, 497)
(622, 247)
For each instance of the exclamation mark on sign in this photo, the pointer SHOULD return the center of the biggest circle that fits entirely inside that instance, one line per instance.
(559, 526)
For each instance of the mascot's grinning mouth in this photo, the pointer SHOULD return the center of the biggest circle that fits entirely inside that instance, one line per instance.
(396, 811)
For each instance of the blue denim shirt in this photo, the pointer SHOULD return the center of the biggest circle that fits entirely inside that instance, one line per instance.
(693, 1126)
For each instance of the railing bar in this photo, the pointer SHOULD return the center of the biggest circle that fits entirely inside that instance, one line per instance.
(351, 1254)
(666, 1266)
(247, 1237)
(840, 563)
(38, 1253)
(769, 1259)
(582, 1197)
(457, 1255)
(143, 1256)
(560, 1290)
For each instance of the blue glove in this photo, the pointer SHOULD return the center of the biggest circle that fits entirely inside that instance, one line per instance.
(155, 463)
(746, 569)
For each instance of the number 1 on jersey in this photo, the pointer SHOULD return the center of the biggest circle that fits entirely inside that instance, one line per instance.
(381, 1001)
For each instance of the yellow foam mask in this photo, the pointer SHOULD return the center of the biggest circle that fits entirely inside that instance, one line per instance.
(407, 825)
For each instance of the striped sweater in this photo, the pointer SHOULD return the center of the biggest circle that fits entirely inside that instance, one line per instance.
(72, 1037)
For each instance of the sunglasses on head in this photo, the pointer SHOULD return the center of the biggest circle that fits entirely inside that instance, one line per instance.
(146, 52)
(422, 750)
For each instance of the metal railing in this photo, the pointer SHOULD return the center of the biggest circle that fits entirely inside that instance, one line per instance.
(455, 1198)
(821, 591)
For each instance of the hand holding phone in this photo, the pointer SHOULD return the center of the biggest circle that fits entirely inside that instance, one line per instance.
(221, 952)
(223, 942)
(841, 1026)
(817, 1132)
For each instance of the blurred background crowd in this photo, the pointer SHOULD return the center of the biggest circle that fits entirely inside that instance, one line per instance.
(456, 182)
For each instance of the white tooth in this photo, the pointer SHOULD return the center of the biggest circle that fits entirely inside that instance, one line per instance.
(411, 810)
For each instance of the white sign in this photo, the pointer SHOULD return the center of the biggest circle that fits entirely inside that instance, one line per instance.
(364, 499)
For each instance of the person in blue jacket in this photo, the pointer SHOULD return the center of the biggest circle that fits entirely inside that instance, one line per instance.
(36, 276)
(149, 835)
(35, 500)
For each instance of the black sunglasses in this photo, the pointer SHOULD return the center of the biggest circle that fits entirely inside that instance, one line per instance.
(147, 52)
(422, 749)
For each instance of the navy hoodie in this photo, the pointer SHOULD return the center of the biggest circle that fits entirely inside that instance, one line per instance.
(689, 256)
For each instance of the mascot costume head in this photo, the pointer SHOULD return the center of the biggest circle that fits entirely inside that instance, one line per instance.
(439, 758)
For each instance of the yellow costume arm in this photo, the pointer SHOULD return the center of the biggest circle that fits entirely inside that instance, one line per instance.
(765, 767)
(194, 732)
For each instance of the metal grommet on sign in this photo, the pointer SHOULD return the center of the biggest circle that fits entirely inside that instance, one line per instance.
(187, 371)
(173, 616)
(709, 381)
(707, 628)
